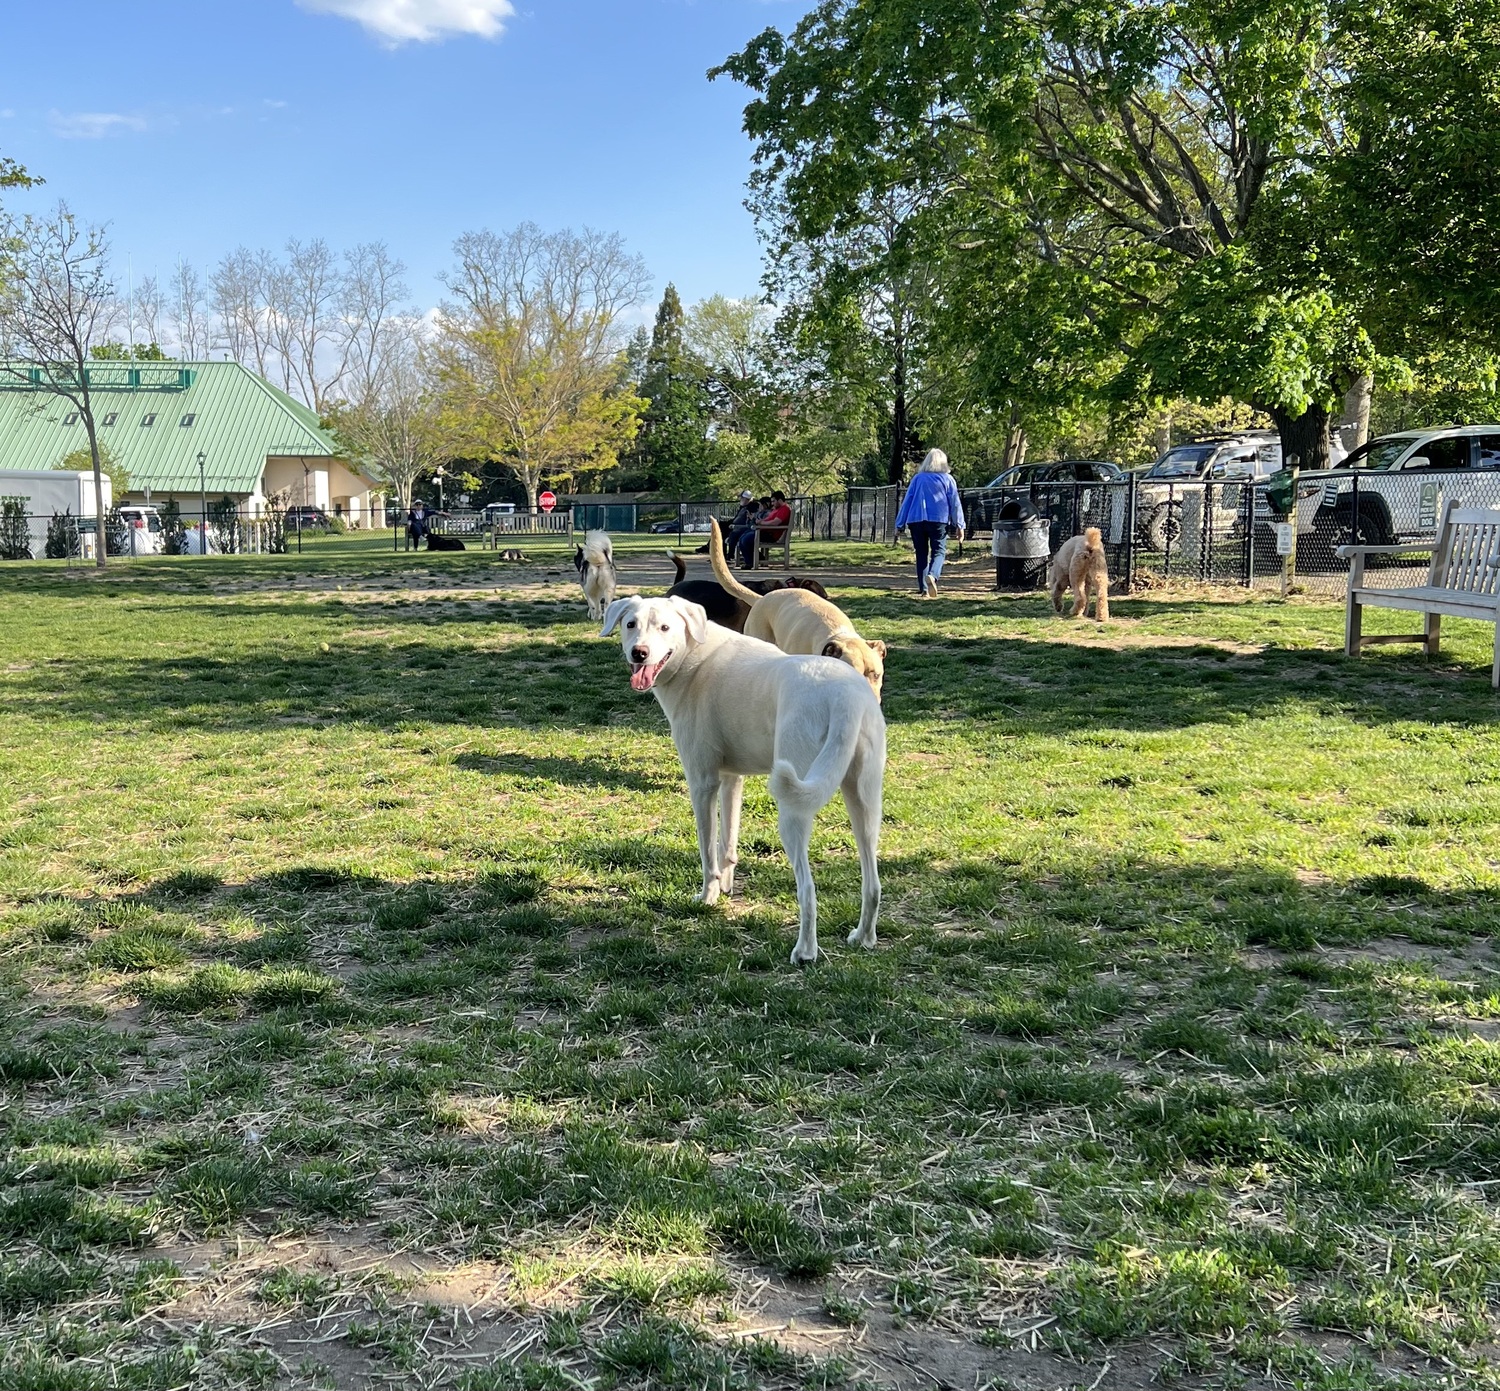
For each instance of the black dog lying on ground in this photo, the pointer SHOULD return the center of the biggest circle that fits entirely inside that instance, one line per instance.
(443, 543)
(720, 605)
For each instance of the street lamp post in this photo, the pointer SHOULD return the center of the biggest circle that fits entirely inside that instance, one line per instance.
(203, 504)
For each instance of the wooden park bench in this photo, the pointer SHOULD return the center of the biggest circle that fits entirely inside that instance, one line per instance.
(767, 544)
(1463, 580)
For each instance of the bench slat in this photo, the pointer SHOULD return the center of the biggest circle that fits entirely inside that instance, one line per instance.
(1463, 580)
(1429, 597)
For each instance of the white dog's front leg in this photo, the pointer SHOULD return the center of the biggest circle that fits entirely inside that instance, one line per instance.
(731, 794)
(706, 813)
(795, 824)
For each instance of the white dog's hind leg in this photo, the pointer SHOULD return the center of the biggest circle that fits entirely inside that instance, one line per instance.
(862, 789)
(706, 814)
(731, 794)
(795, 824)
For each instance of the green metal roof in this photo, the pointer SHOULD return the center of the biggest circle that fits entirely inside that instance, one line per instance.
(237, 420)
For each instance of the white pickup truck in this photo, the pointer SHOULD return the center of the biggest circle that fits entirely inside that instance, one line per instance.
(1393, 488)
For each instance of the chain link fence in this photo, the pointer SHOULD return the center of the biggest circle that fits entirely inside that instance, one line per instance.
(137, 531)
(1232, 533)
(1155, 533)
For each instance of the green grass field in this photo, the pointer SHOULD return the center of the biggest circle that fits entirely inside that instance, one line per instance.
(359, 1027)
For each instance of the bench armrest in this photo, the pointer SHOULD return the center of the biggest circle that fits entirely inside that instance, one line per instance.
(1349, 552)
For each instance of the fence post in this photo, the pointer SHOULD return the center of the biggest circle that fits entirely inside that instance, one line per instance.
(1206, 536)
(1289, 565)
(1130, 532)
(1249, 525)
(1166, 563)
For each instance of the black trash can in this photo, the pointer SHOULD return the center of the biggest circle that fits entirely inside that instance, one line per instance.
(1019, 543)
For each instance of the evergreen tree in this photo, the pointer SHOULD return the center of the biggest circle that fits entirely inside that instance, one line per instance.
(673, 450)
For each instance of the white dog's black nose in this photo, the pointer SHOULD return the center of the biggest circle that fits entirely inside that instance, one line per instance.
(639, 654)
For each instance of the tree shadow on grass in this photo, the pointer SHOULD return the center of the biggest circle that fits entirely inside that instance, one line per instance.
(1040, 687)
(570, 772)
(1022, 685)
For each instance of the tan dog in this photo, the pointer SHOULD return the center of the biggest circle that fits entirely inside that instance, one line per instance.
(797, 620)
(1080, 564)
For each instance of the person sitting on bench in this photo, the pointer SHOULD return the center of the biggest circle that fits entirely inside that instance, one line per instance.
(770, 527)
(743, 522)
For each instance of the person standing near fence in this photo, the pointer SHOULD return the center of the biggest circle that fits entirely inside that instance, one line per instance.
(931, 511)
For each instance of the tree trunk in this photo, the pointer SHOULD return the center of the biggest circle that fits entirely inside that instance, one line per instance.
(896, 468)
(1356, 419)
(100, 542)
(1304, 436)
(1015, 442)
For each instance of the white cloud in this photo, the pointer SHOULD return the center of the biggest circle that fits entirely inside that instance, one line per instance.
(396, 22)
(92, 125)
(7, 114)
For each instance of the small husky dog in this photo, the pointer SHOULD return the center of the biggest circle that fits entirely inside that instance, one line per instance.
(595, 563)
(1080, 565)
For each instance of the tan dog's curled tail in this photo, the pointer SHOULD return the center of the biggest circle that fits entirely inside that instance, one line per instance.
(1093, 538)
(721, 567)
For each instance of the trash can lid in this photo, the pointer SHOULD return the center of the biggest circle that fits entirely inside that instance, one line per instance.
(1016, 510)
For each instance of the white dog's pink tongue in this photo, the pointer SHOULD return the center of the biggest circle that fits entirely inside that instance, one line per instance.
(643, 678)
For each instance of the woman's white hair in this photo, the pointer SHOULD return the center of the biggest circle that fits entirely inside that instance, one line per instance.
(935, 462)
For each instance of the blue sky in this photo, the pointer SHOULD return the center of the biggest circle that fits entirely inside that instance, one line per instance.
(193, 126)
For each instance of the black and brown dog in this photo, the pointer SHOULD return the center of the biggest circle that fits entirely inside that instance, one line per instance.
(719, 604)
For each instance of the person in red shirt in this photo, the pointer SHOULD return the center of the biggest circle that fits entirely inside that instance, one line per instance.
(777, 516)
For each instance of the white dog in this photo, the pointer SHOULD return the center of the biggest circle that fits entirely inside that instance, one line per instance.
(736, 706)
(595, 563)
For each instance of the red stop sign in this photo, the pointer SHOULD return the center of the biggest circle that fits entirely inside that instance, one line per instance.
(547, 501)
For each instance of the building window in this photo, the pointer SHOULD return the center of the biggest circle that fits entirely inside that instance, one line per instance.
(111, 417)
(149, 419)
(71, 418)
(187, 419)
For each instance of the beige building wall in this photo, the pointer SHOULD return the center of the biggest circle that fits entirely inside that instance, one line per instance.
(322, 482)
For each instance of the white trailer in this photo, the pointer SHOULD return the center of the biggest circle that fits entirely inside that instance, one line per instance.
(43, 492)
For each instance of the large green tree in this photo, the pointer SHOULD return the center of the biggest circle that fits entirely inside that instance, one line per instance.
(1157, 194)
(672, 449)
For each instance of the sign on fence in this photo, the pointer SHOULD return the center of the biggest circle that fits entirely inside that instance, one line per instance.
(547, 501)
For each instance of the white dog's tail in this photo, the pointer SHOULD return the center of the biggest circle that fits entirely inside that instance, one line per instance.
(597, 549)
(827, 771)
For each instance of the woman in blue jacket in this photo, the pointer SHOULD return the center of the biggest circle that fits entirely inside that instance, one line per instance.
(930, 508)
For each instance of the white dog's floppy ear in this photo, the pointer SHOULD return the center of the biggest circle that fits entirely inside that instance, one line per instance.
(695, 616)
(615, 612)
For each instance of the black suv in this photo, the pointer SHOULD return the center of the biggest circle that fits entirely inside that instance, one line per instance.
(306, 518)
(981, 504)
